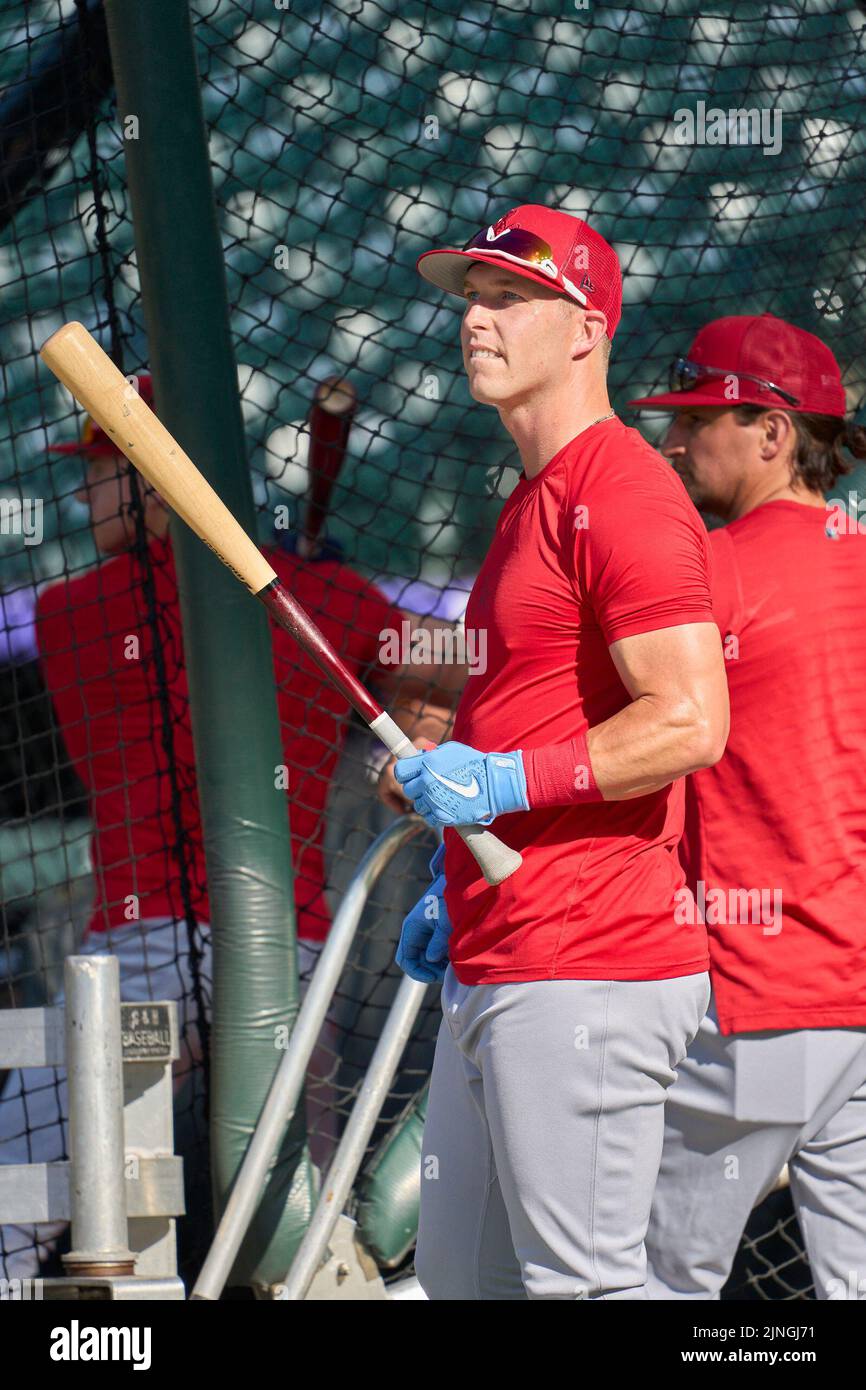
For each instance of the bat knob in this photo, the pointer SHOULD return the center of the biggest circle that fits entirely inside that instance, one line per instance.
(336, 395)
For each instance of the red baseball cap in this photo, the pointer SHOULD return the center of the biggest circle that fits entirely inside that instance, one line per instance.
(764, 360)
(94, 441)
(553, 248)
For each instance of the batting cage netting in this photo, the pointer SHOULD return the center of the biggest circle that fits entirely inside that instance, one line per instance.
(722, 153)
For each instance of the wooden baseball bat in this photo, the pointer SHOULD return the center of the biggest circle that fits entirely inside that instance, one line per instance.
(76, 359)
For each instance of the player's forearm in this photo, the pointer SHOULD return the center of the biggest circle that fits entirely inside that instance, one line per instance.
(676, 723)
(649, 744)
(421, 685)
(423, 719)
(428, 660)
(643, 748)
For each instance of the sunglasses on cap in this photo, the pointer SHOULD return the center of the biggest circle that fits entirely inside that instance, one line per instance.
(515, 244)
(685, 376)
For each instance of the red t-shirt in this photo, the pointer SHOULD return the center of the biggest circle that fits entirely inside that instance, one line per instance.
(107, 697)
(602, 544)
(784, 812)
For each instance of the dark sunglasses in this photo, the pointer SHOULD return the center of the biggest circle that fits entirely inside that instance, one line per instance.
(515, 244)
(685, 376)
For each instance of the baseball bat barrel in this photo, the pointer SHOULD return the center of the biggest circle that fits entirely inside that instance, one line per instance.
(330, 421)
(75, 357)
(88, 373)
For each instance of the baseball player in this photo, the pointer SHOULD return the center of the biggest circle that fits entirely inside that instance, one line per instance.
(98, 651)
(776, 831)
(571, 990)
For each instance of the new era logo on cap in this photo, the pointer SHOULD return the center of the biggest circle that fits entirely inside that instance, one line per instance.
(543, 244)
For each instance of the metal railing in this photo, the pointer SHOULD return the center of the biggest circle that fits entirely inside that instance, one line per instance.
(122, 1186)
(288, 1082)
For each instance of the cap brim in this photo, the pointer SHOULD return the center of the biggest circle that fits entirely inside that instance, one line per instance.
(680, 400)
(448, 268)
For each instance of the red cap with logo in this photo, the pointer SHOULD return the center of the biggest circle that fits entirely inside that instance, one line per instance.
(94, 441)
(754, 359)
(551, 247)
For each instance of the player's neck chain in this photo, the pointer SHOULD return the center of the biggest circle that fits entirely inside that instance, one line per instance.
(609, 416)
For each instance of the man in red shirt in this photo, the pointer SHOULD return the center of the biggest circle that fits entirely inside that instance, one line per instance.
(775, 843)
(97, 649)
(108, 663)
(572, 990)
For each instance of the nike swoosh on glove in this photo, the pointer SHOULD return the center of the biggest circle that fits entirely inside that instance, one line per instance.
(456, 785)
(422, 953)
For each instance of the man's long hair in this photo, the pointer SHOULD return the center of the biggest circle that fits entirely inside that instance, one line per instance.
(822, 444)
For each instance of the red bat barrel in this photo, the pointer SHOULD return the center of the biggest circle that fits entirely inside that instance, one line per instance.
(330, 421)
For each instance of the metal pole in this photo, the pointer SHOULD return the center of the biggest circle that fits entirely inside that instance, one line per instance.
(94, 1070)
(350, 1153)
(286, 1087)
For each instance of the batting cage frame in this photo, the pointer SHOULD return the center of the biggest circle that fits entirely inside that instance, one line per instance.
(230, 197)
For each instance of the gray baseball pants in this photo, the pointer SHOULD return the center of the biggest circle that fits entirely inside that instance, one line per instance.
(741, 1108)
(544, 1133)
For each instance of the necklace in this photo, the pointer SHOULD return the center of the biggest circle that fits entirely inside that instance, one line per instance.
(609, 416)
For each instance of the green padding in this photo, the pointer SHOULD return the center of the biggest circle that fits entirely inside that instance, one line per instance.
(227, 643)
(391, 1187)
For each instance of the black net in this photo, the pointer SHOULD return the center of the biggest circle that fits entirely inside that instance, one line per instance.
(96, 729)
(344, 140)
(771, 1264)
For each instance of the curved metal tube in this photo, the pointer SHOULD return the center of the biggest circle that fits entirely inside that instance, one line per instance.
(352, 1146)
(282, 1098)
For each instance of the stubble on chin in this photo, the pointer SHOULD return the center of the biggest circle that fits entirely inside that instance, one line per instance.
(696, 493)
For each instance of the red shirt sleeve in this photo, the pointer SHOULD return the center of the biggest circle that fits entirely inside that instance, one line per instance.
(643, 563)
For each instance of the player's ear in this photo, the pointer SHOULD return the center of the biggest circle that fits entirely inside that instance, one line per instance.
(778, 433)
(594, 329)
(588, 329)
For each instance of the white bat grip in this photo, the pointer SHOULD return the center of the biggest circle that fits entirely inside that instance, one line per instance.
(496, 861)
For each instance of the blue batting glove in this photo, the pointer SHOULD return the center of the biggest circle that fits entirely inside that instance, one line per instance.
(423, 950)
(456, 785)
